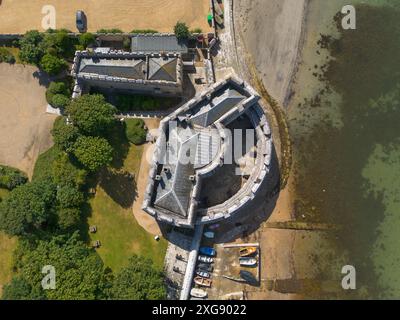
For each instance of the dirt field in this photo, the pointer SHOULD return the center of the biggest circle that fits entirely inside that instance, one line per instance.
(24, 125)
(18, 16)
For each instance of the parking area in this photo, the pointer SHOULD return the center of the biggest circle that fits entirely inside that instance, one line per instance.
(161, 15)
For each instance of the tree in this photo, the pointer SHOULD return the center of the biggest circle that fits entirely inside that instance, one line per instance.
(181, 30)
(20, 289)
(64, 135)
(64, 172)
(80, 271)
(56, 88)
(59, 43)
(31, 47)
(93, 152)
(69, 196)
(86, 39)
(27, 208)
(91, 114)
(52, 64)
(68, 217)
(60, 101)
(135, 131)
(140, 280)
(11, 178)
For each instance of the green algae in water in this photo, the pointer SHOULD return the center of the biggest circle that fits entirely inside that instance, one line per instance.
(334, 165)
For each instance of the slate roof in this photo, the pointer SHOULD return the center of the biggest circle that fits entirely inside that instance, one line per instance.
(173, 191)
(163, 68)
(211, 112)
(123, 68)
(158, 43)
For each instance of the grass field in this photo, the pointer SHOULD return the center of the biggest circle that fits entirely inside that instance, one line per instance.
(118, 231)
(7, 246)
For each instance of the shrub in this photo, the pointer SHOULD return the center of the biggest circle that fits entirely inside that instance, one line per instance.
(86, 39)
(6, 56)
(143, 31)
(114, 30)
(60, 101)
(196, 30)
(181, 30)
(11, 178)
(56, 88)
(135, 131)
(52, 64)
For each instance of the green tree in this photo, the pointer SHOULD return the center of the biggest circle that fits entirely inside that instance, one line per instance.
(68, 217)
(140, 280)
(69, 196)
(86, 39)
(58, 40)
(91, 114)
(52, 64)
(93, 152)
(60, 101)
(32, 48)
(64, 135)
(64, 172)
(11, 178)
(80, 272)
(20, 289)
(56, 88)
(27, 208)
(181, 30)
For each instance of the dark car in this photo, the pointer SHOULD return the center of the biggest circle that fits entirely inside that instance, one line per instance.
(205, 267)
(81, 21)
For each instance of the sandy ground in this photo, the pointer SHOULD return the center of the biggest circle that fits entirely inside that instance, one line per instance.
(18, 16)
(146, 221)
(24, 125)
(271, 31)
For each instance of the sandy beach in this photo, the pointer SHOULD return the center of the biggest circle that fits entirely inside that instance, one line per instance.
(272, 32)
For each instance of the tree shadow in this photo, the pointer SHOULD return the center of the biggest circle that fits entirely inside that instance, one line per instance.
(120, 143)
(120, 186)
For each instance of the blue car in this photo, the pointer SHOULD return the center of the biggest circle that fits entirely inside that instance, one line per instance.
(207, 251)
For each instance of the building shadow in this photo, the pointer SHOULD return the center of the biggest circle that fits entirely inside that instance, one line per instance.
(250, 218)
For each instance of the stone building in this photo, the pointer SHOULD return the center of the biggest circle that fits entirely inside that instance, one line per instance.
(131, 72)
(192, 179)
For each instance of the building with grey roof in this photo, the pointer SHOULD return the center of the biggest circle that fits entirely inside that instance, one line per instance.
(193, 151)
(159, 42)
(153, 74)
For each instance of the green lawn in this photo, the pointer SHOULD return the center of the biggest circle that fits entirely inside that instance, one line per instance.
(7, 246)
(118, 231)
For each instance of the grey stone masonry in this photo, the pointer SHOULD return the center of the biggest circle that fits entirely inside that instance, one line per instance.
(221, 110)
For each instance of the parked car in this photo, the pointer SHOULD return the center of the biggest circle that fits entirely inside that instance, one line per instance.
(81, 21)
(207, 251)
(205, 259)
(205, 267)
